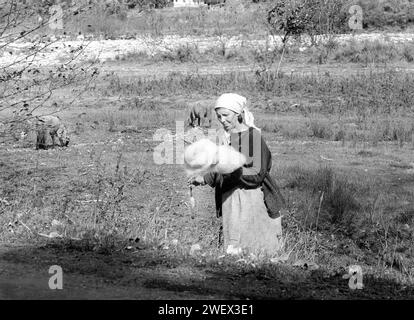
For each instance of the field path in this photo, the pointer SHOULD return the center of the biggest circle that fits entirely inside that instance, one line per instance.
(152, 275)
(24, 280)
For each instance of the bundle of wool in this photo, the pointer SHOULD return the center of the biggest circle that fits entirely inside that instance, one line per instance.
(199, 157)
(204, 156)
(228, 160)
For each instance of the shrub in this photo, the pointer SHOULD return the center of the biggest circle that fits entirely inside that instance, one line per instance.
(341, 201)
(323, 190)
(312, 17)
(131, 4)
(379, 14)
(117, 9)
(408, 53)
(183, 53)
(320, 129)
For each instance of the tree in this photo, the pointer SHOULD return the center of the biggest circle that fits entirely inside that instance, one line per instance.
(28, 30)
(142, 4)
(313, 17)
(293, 18)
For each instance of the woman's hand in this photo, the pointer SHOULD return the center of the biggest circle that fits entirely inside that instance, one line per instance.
(197, 181)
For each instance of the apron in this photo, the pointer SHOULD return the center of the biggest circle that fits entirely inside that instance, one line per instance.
(247, 225)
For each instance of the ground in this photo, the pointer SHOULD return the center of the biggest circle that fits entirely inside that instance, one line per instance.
(150, 275)
(156, 273)
(126, 225)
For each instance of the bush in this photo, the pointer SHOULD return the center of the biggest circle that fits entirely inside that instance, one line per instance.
(320, 129)
(312, 17)
(323, 190)
(341, 201)
(131, 4)
(184, 53)
(115, 8)
(378, 14)
(408, 53)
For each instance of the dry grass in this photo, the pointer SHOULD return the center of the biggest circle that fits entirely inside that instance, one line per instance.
(105, 193)
(106, 190)
(346, 208)
(374, 91)
(111, 195)
(227, 20)
(373, 52)
(184, 22)
(371, 106)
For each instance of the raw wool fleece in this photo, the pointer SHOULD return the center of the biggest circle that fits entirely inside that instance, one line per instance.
(205, 156)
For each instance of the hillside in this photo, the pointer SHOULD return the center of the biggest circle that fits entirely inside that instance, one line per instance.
(117, 18)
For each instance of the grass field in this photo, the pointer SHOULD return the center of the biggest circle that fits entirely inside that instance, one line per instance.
(339, 121)
(237, 17)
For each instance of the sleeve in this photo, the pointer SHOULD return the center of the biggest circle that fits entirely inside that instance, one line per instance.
(232, 180)
(211, 178)
(252, 174)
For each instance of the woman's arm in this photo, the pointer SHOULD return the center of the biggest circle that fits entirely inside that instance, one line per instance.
(250, 175)
(212, 178)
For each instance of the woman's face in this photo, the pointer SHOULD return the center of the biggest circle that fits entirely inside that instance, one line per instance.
(227, 118)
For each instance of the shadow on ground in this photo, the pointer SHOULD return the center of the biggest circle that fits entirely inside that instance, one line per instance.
(156, 274)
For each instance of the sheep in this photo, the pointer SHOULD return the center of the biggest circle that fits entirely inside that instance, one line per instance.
(199, 114)
(53, 126)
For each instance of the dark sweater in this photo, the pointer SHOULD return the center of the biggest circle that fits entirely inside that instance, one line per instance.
(254, 174)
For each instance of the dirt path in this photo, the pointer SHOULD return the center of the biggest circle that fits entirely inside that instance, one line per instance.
(154, 275)
(26, 277)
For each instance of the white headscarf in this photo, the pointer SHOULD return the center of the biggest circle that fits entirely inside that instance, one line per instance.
(236, 103)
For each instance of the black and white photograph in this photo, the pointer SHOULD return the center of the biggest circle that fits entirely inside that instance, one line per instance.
(219, 151)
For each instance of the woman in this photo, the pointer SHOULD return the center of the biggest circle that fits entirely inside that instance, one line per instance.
(247, 199)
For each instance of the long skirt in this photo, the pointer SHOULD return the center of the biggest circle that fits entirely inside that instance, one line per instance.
(246, 223)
